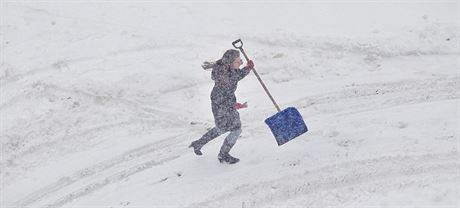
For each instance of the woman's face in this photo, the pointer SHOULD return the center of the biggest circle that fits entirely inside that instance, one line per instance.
(236, 63)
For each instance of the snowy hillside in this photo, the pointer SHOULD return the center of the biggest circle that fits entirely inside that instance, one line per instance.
(99, 102)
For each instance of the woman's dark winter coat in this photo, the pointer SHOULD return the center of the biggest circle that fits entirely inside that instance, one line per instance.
(223, 97)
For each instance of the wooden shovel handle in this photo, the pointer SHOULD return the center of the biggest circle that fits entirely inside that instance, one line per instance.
(234, 43)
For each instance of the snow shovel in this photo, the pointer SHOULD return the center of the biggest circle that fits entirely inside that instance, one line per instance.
(286, 124)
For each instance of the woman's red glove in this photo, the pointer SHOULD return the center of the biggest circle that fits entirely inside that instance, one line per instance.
(237, 106)
(250, 64)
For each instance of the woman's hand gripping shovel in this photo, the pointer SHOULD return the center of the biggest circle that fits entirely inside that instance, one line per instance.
(286, 124)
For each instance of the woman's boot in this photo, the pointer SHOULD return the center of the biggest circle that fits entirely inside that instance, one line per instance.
(224, 156)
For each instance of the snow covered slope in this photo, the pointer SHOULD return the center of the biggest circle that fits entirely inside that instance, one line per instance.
(99, 102)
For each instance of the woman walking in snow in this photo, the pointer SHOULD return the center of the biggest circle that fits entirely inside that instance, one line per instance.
(226, 74)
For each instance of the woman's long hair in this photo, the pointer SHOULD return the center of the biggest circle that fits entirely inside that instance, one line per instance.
(229, 56)
(208, 65)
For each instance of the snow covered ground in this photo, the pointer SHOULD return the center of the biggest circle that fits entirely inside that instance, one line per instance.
(99, 102)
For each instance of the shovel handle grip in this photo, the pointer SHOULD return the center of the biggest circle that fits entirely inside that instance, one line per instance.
(236, 42)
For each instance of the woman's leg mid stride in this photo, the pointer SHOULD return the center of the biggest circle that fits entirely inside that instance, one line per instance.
(207, 137)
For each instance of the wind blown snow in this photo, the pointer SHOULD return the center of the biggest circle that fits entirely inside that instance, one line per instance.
(100, 100)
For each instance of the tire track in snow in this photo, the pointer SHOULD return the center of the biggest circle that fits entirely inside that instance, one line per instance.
(54, 90)
(64, 63)
(376, 96)
(100, 183)
(128, 157)
(336, 176)
(83, 133)
(143, 115)
(50, 68)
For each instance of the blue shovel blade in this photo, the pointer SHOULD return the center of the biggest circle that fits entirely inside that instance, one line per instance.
(286, 125)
